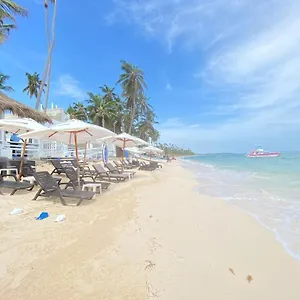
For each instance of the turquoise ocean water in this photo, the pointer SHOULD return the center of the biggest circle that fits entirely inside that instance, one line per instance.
(267, 188)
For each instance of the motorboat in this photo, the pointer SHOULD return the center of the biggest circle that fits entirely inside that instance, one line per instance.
(259, 152)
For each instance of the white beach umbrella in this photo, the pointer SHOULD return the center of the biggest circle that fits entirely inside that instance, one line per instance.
(72, 132)
(19, 126)
(124, 140)
(134, 150)
(152, 150)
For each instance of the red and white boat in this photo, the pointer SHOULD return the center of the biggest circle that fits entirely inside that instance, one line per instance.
(259, 152)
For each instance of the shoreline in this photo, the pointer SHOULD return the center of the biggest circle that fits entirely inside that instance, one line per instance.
(254, 211)
(152, 237)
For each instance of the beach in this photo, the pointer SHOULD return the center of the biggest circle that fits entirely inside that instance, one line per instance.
(155, 236)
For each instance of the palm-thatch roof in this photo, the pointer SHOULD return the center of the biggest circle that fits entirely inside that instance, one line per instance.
(22, 110)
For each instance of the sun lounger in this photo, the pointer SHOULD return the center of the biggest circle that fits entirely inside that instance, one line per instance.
(114, 170)
(106, 175)
(147, 167)
(73, 179)
(58, 168)
(84, 169)
(119, 165)
(50, 188)
(155, 164)
(14, 185)
(128, 164)
(27, 174)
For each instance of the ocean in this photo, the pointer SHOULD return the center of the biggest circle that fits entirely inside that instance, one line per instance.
(267, 188)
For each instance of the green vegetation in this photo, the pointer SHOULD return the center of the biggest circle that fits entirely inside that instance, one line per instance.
(3, 83)
(8, 11)
(173, 150)
(33, 84)
(129, 112)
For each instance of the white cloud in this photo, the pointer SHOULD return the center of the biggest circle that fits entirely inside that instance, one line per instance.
(68, 86)
(168, 87)
(249, 47)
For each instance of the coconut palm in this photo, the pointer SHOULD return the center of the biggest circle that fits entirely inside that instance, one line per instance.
(8, 10)
(33, 85)
(116, 121)
(5, 30)
(77, 111)
(142, 106)
(99, 110)
(145, 127)
(3, 85)
(132, 82)
(51, 43)
(109, 93)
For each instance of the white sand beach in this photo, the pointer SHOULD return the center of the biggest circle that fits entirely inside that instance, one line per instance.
(151, 237)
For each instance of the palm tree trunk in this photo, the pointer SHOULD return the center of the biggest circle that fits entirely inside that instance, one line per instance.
(103, 122)
(48, 86)
(50, 61)
(132, 113)
(38, 99)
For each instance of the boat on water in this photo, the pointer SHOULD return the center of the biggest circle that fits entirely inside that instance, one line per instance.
(259, 152)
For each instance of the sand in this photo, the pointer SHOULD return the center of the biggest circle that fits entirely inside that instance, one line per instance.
(151, 237)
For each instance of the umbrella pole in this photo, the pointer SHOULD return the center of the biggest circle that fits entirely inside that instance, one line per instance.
(22, 159)
(77, 158)
(84, 160)
(123, 154)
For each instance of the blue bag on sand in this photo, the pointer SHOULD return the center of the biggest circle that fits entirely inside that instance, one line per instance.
(42, 216)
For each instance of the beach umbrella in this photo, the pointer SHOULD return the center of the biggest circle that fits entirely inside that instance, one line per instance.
(21, 110)
(124, 140)
(72, 132)
(134, 150)
(19, 126)
(152, 150)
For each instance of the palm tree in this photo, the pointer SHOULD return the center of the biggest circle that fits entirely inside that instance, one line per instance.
(48, 67)
(99, 110)
(132, 82)
(3, 86)
(77, 111)
(116, 121)
(142, 106)
(145, 127)
(33, 85)
(8, 10)
(109, 94)
(5, 30)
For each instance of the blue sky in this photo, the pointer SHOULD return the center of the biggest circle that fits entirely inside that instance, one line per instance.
(223, 75)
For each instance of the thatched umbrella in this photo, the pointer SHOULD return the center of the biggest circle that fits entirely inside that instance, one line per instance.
(22, 110)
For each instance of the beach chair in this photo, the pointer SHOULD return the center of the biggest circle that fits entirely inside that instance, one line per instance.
(14, 185)
(82, 166)
(155, 164)
(50, 188)
(73, 179)
(58, 167)
(146, 167)
(106, 175)
(118, 164)
(114, 170)
(121, 165)
(27, 175)
(127, 163)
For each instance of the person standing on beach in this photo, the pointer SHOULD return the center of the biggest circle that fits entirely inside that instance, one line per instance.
(14, 141)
